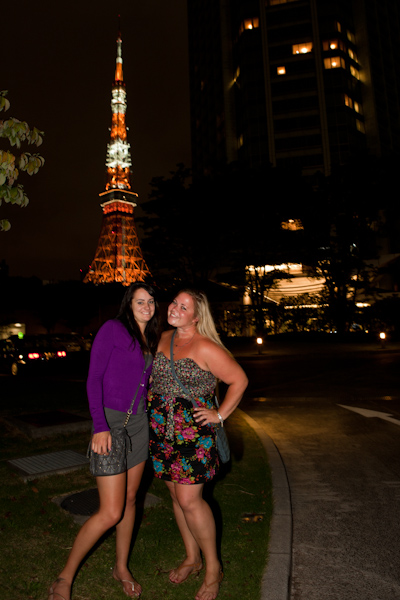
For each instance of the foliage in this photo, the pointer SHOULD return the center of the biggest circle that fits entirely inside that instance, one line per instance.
(341, 230)
(219, 225)
(256, 238)
(216, 226)
(301, 313)
(183, 225)
(16, 132)
(259, 282)
(166, 245)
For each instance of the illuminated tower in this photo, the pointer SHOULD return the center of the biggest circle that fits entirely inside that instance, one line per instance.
(118, 256)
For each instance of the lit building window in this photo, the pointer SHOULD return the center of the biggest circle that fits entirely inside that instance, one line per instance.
(332, 45)
(353, 55)
(249, 24)
(348, 101)
(303, 48)
(281, 70)
(353, 104)
(354, 72)
(350, 37)
(335, 62)
(292, 225)
(360, 126)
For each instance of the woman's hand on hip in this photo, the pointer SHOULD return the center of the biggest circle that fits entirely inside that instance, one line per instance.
(205, 415)
(101, 442)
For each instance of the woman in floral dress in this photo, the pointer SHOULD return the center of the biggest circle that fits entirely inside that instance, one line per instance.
(182, 439)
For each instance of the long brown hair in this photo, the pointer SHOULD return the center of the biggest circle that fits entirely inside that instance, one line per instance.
(125, 315)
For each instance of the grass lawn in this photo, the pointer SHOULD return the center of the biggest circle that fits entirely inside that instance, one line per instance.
(36, 534)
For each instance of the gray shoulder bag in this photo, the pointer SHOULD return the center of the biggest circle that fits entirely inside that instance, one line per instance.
(114, 462)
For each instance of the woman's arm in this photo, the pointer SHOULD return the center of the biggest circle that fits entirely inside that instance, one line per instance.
(225, 368)
(99, 357)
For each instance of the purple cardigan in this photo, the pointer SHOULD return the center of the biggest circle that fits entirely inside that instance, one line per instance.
(116, 366)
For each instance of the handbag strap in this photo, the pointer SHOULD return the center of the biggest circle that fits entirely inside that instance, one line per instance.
(171, 361)
(129, 411)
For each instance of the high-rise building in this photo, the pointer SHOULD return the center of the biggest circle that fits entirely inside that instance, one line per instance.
(118, 255)
(308, 84)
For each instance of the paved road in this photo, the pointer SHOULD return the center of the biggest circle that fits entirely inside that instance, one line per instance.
(343, 468)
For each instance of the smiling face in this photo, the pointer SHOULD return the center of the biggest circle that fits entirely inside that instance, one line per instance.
(143, 307)
(181, 311)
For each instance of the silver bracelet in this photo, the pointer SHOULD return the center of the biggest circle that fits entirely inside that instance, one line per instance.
(221, 419)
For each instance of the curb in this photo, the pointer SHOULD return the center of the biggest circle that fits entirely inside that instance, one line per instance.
(275, 584)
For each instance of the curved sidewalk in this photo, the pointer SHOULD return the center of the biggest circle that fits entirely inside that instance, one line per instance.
(275, 583)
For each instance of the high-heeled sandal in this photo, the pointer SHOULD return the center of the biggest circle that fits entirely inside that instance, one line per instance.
(52, 592)
(208, 585)
(195, 570)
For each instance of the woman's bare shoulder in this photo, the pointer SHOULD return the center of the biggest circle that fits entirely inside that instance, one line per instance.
(218, 360)
(165, 341)
(166, 335)
(207, 347)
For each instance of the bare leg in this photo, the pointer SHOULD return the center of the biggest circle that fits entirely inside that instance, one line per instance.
(192, 548)
(197, 526)
(124, 531)
(112, 491)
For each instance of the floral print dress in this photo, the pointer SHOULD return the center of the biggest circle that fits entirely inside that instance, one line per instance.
(181, 450)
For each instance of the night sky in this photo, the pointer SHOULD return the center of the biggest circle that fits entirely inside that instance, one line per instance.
(58, 63)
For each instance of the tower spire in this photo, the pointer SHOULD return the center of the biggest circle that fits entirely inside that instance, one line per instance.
(118, 256)
(119, 76)
(118, 161)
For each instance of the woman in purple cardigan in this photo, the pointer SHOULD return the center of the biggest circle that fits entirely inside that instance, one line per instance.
(120, 361)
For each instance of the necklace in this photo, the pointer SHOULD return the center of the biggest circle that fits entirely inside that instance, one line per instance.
(186, 343)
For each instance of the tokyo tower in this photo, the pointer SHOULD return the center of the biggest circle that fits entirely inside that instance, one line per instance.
(118, 256)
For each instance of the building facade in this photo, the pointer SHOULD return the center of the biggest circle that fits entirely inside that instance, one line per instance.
(305, 84)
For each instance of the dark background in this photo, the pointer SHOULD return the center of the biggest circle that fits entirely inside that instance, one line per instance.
(58, 63)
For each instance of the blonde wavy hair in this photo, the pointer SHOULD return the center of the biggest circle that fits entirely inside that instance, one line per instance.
(205, 324)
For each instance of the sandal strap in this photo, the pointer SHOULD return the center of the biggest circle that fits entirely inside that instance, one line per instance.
(132, 583)
(128, 581)
(195, 570)
(51, 589)
(220, 577)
